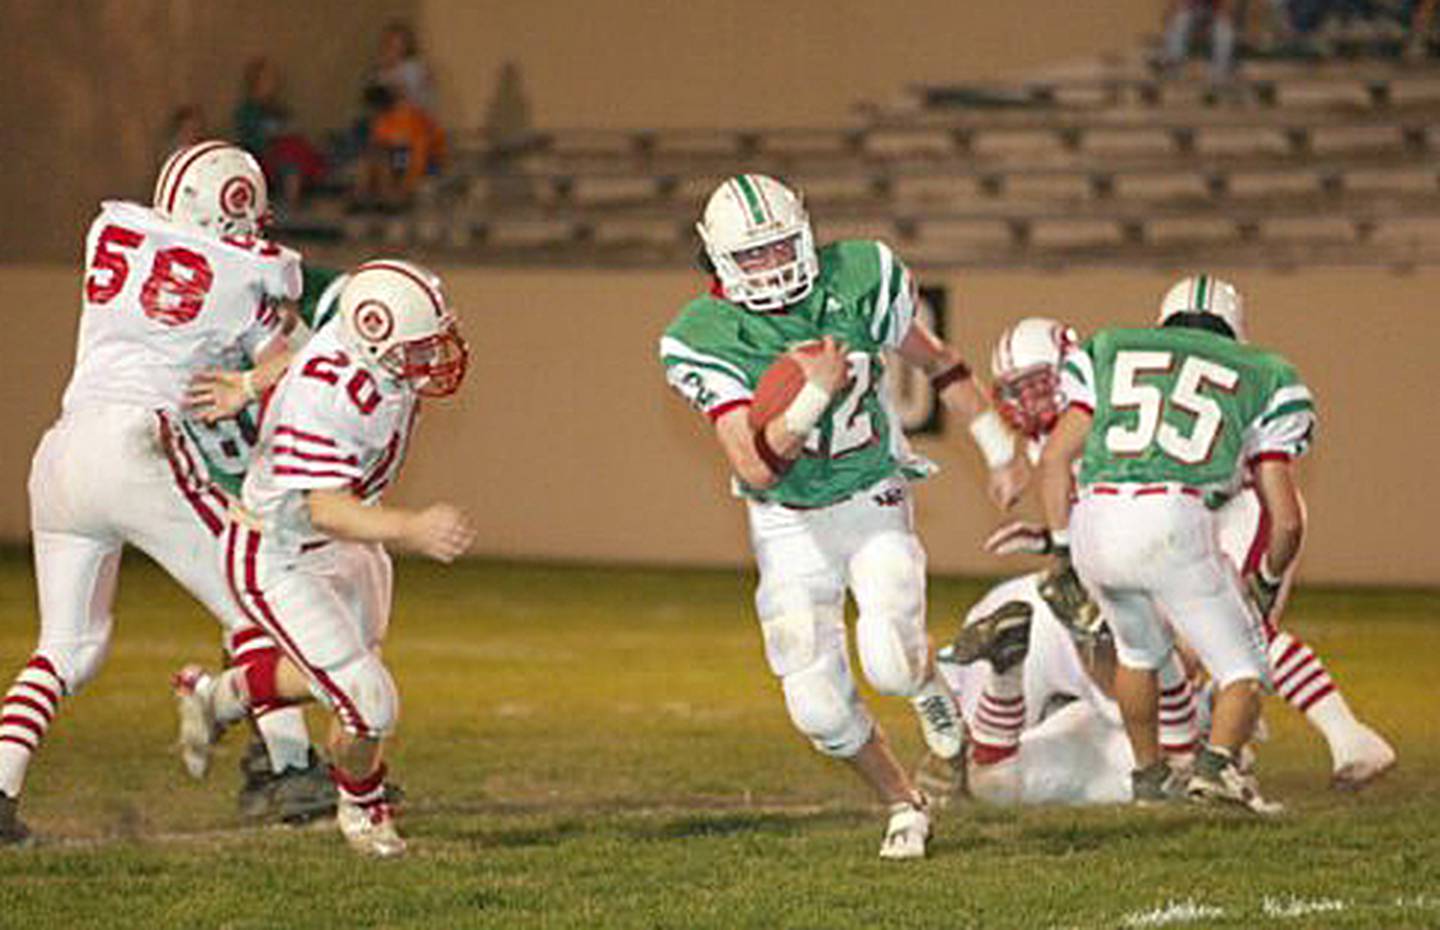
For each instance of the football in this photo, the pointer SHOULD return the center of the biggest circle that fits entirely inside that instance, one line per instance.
(778, 386)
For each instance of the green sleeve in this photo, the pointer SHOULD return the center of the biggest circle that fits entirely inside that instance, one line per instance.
(316, 282)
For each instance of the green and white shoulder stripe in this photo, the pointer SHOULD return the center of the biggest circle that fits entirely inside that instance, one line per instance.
(894, 308)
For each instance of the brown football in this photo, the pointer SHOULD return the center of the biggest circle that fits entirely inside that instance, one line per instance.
(778, 386)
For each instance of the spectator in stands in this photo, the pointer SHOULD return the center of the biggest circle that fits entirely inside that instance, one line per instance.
(262, 125)
(398, 66)
(404, 147)
(1185, 15)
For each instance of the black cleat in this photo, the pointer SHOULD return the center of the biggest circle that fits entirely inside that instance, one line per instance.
(1002, 637)
(1157, 784)
(13, 831)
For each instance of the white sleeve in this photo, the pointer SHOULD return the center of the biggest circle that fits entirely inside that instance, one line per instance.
(1285, 429)
(313, 447)
(1077, 380)
(894, 308)
(709, 384)
(265, 326)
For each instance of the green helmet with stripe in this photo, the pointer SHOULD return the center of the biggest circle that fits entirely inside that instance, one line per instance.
(758, 238)
(1208, 295)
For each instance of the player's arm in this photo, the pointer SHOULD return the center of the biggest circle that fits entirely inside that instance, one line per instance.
(439, 531)
(961, 393)
(1057, 463)
(215, 395)
(1275, 484)
(762, 457)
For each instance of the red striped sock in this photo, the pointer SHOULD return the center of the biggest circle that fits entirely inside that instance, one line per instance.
(999, 719)
(362, 792)
(1178, 726)
(25, 716)
(1299, 676)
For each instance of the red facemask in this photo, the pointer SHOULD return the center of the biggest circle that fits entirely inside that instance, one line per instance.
(435, 364)
(1029, 400)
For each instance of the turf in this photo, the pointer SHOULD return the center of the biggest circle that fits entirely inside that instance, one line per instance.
(598, 748)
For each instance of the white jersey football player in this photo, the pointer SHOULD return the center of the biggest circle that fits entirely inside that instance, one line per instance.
(304, 549)
(1026, 366)
(169, 290)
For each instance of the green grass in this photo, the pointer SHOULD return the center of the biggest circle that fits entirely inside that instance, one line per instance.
(587, 748)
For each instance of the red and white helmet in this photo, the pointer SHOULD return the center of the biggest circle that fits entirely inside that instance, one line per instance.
(394, 314)
(758, 238)
(1026, 367)
(1207, 295)
(215, 187)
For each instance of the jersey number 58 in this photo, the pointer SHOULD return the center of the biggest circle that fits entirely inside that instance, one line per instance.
(175, 290)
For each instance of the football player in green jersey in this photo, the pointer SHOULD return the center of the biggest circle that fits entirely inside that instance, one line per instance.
(284, 778)
(827, 482)
(1167, 422)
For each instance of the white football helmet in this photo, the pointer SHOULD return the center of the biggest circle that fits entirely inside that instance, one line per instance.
(394, 314)
(215, 187)
(1026, 366)
(1209, 295)
(744, 218)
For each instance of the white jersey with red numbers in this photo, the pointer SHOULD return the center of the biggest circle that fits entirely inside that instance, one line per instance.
(163, 302)
(333, 423)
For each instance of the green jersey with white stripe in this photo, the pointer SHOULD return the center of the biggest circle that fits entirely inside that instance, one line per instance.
(1184, 405)
(716, 351)
(226, 446)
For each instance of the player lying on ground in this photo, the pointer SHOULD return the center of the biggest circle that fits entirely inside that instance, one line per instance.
(169, 291)
(825, 471)
(1166, 423)
(1026, 366)
(304, 550)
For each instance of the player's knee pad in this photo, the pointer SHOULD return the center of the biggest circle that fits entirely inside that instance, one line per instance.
(889, 580)
(825, 706)
(363, 696)
(800, 632)
(77, 660)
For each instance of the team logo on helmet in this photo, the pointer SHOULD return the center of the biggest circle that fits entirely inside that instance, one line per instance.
(237, 196)
(374, 321)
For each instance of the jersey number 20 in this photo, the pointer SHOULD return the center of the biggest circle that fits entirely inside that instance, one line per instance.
(1150, 427)
(173, 293)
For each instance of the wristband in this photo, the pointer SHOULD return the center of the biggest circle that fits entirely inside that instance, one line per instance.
(1263, 571)
(806, 409)
(995, 442)
(773, 460)
(956, 372)
(247, 385)
(1060, 539)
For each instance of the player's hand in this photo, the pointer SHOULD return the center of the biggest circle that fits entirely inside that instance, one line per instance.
(824, 364)
(1020, 538)
(1008, 482)
(1264, 592)
(1061, 589)
(215, 395)
(440, 531)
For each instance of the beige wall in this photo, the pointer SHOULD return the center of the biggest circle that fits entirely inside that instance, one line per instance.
(672, 63)
(566, 444)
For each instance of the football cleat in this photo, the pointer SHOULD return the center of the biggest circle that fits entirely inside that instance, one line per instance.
(907, 832)
(1372, 757)
(1001, 637)
(1217, 780)
(193, 687)
(940, 721)
(295, 795)
(1061, 588)
(370, 830)
(13, 831)
(1157, 784)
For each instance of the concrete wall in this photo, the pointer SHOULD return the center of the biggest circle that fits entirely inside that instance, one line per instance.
(566, 443)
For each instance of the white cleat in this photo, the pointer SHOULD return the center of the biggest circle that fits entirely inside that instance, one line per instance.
(198, 730)
(1370, 757)
(940, 721)
(907, 832)
(370, 831)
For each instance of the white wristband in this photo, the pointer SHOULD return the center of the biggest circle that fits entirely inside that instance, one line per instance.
(806, 409)
(1059, 538)
(247, 384)
(995, 442)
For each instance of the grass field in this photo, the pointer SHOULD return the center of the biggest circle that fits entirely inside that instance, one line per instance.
(597, 748)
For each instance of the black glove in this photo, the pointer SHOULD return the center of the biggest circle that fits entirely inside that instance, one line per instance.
(1067, 597)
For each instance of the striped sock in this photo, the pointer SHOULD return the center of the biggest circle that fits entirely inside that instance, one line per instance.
(1301, 679)
(280, 723)
(1178, 726)
(999, 718)
(364, 792)
(29, 706)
